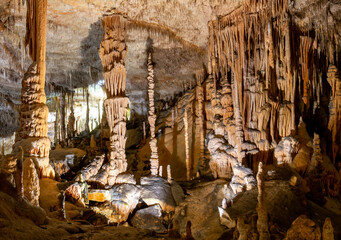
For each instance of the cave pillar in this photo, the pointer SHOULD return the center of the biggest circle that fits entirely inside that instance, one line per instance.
(71, 122)
(62, 117)
(154, 157)
(32, 134)
(113, 51)
(188, 163)
(334, 109)
(200, 130)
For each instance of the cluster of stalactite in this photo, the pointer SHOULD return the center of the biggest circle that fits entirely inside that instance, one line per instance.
(32, 134)
(154, 158)
(266, 73)
(113, 51)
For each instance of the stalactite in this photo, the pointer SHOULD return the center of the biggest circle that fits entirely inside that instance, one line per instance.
(154, 158)
(113, 51)
(306, 44)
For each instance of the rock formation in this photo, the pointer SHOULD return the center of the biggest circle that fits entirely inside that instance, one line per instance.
(62, 118)
(32, 134)
(113, 51)
(154, 158)
(262, 222)
(71, 120)
(31, 182)
(188, 162)
(335, 109)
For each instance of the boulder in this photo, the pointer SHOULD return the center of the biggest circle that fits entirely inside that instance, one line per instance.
(303, 228)
(93, 167)
(156, 190)
(74, 193)
(177, 192)
(99, 195)
(149, 218)
(125, 178)
(123, 200)
(65, 158)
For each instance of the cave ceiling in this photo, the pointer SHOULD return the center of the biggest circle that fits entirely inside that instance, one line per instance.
(177, 33)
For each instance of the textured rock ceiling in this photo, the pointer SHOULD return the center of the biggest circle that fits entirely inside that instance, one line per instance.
(177, 30)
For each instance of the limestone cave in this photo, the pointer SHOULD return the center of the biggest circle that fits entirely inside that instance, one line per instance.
(170, 119)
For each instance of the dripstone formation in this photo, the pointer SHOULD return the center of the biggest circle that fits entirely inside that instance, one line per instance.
(113, 52)
(154, 158)
(32, 134)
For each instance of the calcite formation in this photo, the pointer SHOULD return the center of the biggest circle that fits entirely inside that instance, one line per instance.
(262, 221)
(71, 121)
(188, 163)
(31, 182)
(62, 118)
(113, 51)
(335, 108)
(32, 134)
(154, 158)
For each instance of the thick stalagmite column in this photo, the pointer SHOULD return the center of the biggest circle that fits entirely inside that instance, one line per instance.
(113, 51)
(32, 134)
(154, 158)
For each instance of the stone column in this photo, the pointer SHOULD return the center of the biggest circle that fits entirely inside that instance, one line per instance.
(334, 109)
(154, 157)
(200, 128)
(188, 163)
(62, 117)
(71, 122)
(32, 134)
(113, 52)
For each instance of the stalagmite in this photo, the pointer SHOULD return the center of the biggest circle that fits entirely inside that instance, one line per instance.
(32, 134)
(31, 182)
(262, 222)
(113, 51)
(154, 158)
(169, 174)
(328, 230)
